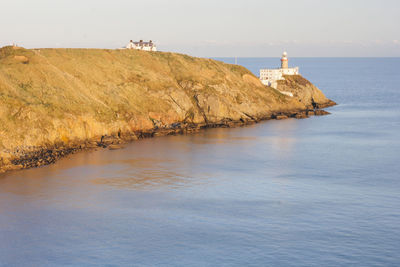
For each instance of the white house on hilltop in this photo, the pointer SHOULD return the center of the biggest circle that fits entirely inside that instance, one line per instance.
(146, 46)
(270, 77)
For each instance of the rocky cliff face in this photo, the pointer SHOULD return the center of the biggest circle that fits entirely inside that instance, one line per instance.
(304, 91)
(57, 101)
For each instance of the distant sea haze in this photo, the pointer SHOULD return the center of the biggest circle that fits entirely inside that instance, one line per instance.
(322, 191)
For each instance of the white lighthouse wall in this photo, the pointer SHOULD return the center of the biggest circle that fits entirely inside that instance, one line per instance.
(271, 76)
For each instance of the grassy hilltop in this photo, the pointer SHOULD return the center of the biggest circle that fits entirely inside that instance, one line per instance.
(60, 97)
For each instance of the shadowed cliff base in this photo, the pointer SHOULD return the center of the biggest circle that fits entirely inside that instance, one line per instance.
(54, 102)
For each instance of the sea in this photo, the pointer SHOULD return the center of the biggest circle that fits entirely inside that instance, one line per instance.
(322, 191)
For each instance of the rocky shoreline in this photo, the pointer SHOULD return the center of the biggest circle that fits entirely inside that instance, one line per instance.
(41, 156)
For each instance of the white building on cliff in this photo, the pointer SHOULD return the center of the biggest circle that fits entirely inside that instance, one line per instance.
(270, 77)
(146, 46)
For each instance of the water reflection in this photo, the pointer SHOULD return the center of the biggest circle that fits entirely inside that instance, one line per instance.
(160, 163)
(145, 174)
(284, 140)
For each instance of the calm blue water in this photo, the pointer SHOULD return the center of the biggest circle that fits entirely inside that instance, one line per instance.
(323, 191)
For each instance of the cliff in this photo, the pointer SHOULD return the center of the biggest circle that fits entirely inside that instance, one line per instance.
(56, 101)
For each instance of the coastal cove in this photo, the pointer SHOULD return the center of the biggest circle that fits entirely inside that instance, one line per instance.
(59, 101)
(293, 192)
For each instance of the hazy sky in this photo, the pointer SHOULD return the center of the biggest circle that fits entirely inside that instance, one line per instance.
(209, 27)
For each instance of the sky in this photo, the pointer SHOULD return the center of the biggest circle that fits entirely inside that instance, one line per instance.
(209, 28)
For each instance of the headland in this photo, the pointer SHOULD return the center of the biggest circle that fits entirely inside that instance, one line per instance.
(54, 102)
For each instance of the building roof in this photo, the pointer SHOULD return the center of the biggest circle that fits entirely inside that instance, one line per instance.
(144, 43)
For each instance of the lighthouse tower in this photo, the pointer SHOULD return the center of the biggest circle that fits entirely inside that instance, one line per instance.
(284, 61)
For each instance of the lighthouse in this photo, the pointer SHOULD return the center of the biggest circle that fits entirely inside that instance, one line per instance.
(270, 77)
(284, 61)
